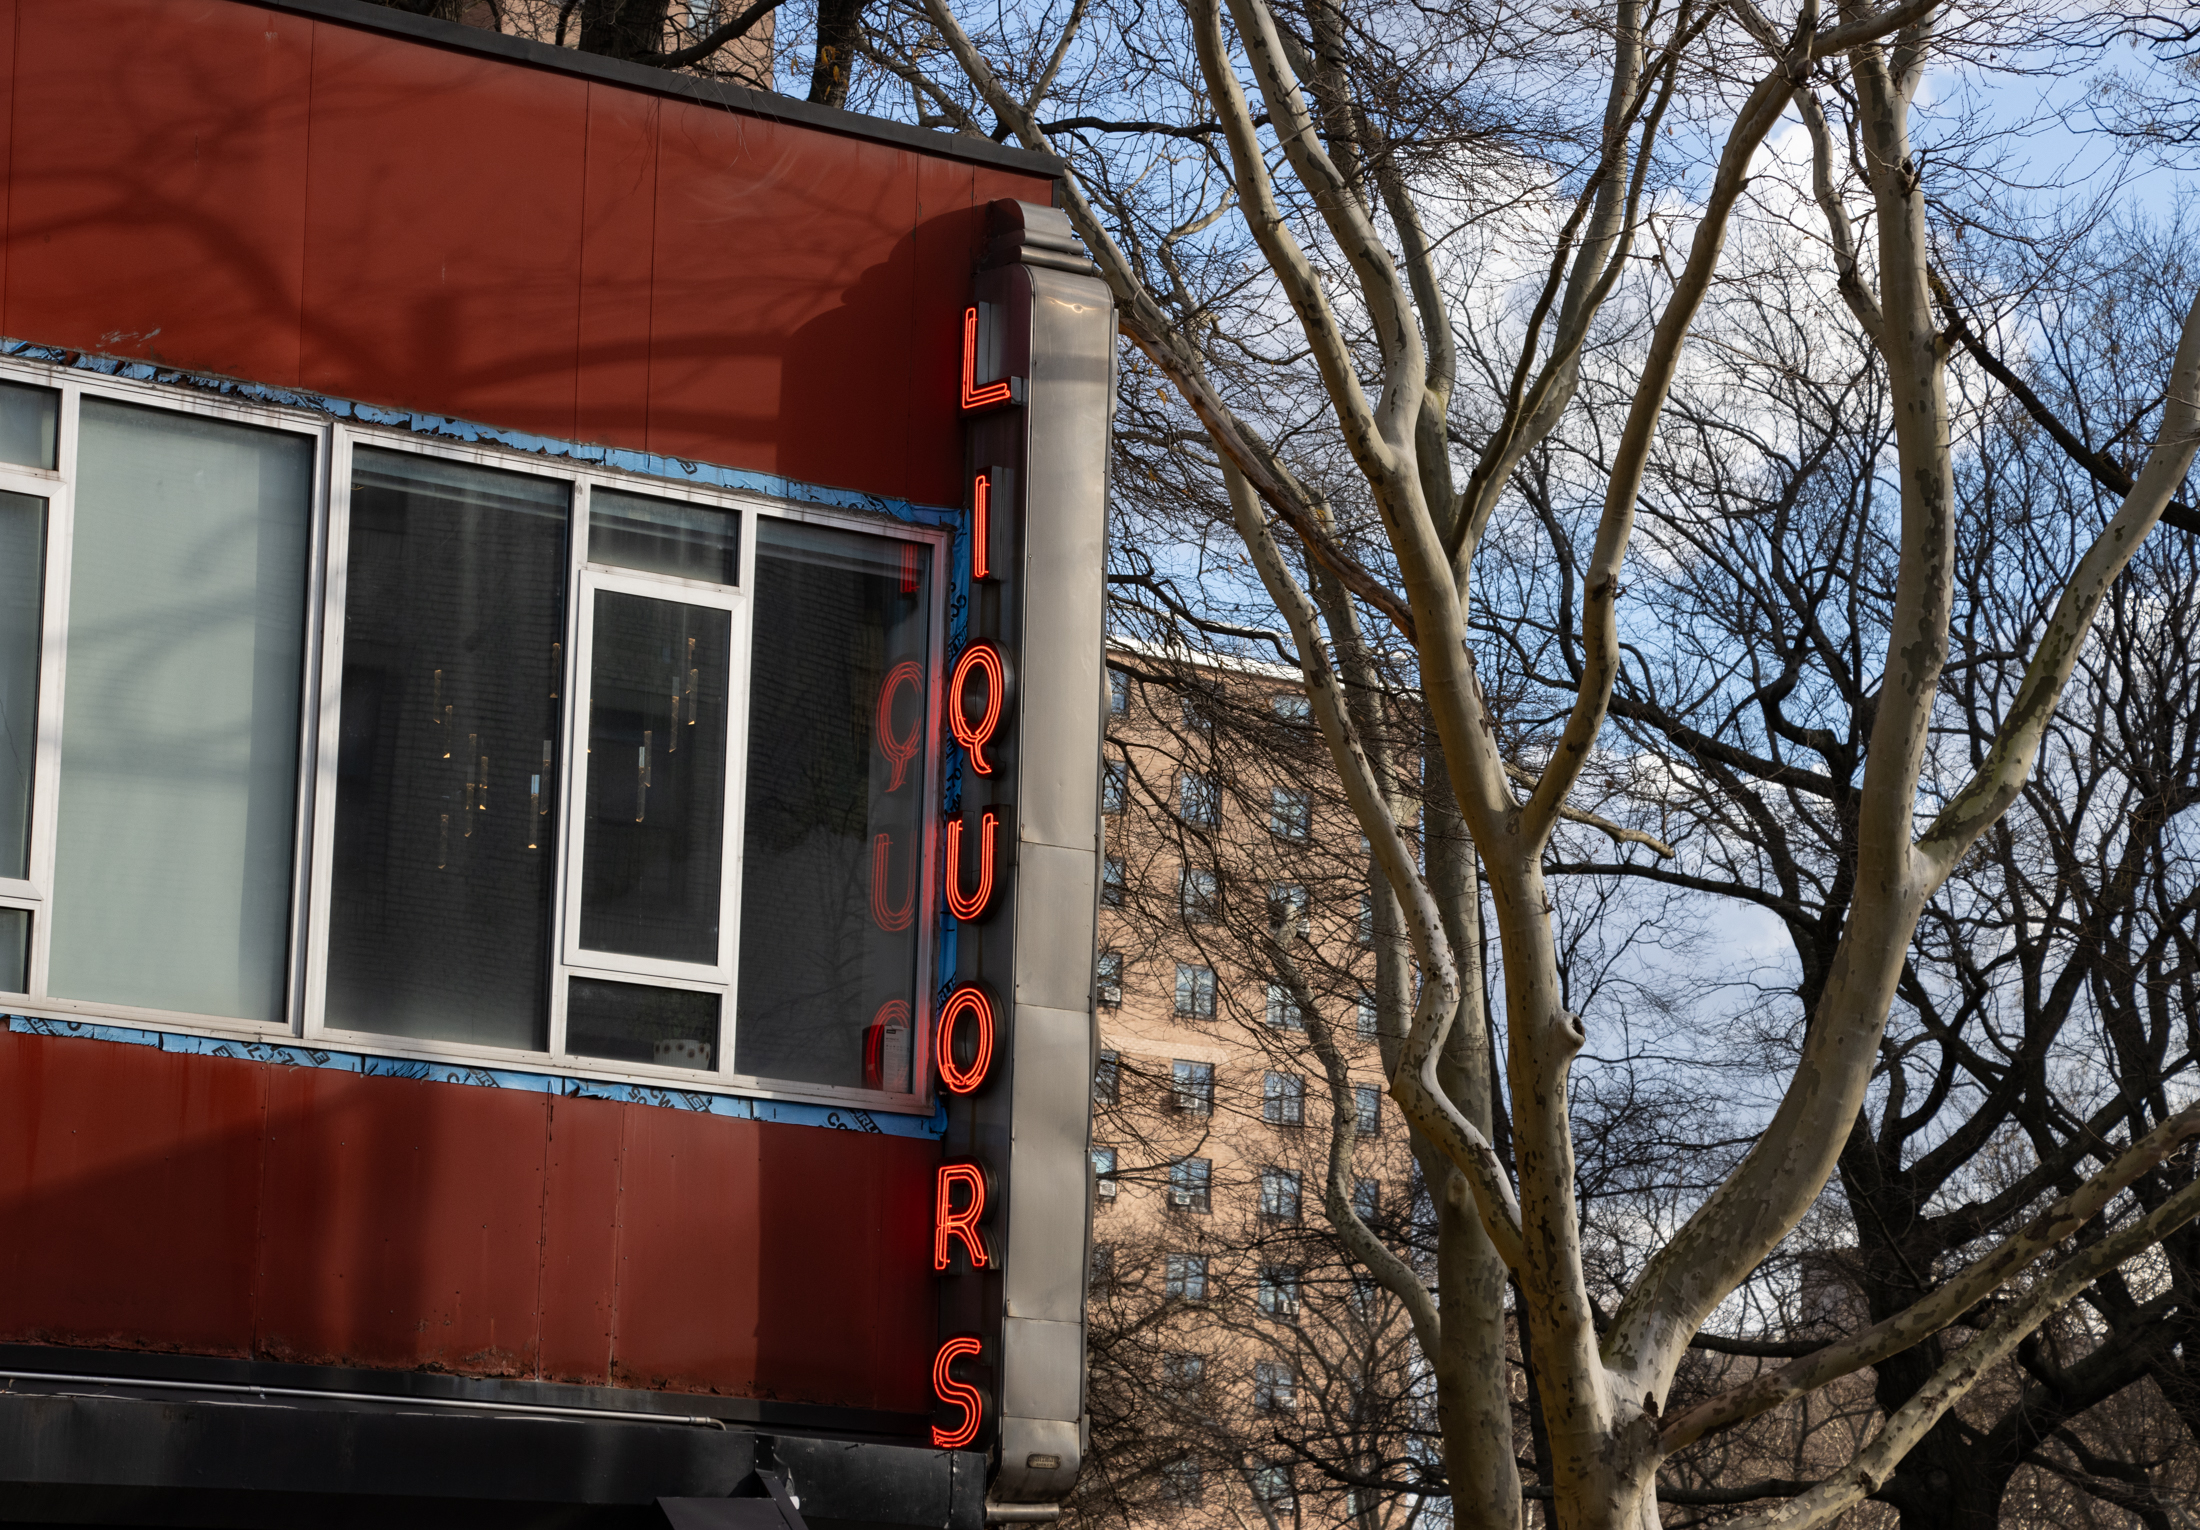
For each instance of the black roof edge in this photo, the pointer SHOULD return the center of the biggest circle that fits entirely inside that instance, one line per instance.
(663, 82)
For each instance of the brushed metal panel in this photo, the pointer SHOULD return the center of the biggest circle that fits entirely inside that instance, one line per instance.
(1044, 1438)
(1054, 909)
(1045, 1270)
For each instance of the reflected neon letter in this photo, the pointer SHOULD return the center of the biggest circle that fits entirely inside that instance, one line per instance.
(899, 749)
(888, 918)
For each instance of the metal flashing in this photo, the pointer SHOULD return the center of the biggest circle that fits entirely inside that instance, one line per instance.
(663, 82)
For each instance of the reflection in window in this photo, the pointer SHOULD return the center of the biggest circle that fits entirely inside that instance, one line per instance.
(15, 950)
(833, 900)
(653, 840)
(1195, 991)
(1279, 1194)
(1193, 1086)
(446, 766)
(664, 536)
(1367, 1109)
(1283, 1099)
(1188, 1182)
(177, 807)
(1108, 976)
(634, 1022)
(1107, 1078)
(1103, 1173)
(1184, 1276)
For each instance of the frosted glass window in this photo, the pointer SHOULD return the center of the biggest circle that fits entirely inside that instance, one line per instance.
(179, 736)
(22, 546)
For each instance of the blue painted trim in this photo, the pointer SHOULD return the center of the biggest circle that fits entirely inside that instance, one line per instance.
(648, 464)
(740, 1107)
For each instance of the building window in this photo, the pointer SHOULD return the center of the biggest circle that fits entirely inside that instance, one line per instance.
(1198, 713)
(1283, 1099)
(1201, 895)
(1115, 785)
(1287, 908)
(1103, 1173)
(1100, 1269)
(1370, 1018)
(1181, 1375)
(1367, 1109)
(1199, 799)
(1188, 1184)
(1275, 1388)
(1366, 1198)
(1180, 1482)
(1195, 991)
(1277, 1295)
(1272, 1481)
(1112, 881)
(1284, 1013)
(1194, 1086)
(1290, 706)
(1107, 1078)
(1279, 1194)
(491, 882)
(1108, 977)
(1184, 1276)
(1290, 815)
(1119, 692)
(1366, 927)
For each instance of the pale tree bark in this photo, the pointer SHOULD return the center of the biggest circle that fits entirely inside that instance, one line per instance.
(1387, 379)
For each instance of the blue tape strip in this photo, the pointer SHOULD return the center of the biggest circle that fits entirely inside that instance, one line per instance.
(846, 1118)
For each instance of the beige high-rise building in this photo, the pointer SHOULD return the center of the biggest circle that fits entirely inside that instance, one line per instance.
(1242, 1370)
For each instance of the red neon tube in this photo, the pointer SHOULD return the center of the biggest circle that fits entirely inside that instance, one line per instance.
(967, 1000)
(888, 918)
(973, 396)
(899, 749)
(974, 737)
(957, 1394)
(976, 903)
(951, 1223)
(981, 529)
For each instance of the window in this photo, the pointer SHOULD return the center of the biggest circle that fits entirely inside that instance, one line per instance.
(1188, 1184)
(1108, 977)
(1180, 1481)
(1119, 692)
(1278, 1291)
(1275, 1388)
(1283, 1099)
(1201, 895)
(1287, 906)
(1367, 1109)
(1194, 1084)
(1115, 785)
(1370, 1018)
(1284, 1013)
(1366, 926)
(1198, 713)
(1103, 1173)
(1112, 881)
(1290, 706)
(1198, 799)
(1181, 1375)
(505, 787)
(1271, 1482)
(1290, 815)
(1195, 991)
(1366, 1199)
(1100, 1269)
(1279, 1194)
(1184, 1276)
(1107, 1078)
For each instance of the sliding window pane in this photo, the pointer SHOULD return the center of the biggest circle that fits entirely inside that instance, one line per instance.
(653, 858)
(446, 767)
(630, 1022)
(832, 906)
(179, 734)
(30, 420)
(664, 536)
(22, 573)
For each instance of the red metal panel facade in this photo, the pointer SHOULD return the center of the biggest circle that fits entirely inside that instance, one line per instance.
(269, 196)
(224, 188)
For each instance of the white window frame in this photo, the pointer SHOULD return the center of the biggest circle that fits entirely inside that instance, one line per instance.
(320, 701)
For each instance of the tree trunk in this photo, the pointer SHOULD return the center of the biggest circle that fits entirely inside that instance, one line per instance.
(628, 29)
(839, 25)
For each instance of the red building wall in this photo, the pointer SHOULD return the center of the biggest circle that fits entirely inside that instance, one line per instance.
(224, 188)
